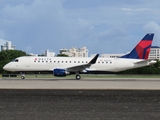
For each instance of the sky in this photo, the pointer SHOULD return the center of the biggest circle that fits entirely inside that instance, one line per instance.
(103, 26)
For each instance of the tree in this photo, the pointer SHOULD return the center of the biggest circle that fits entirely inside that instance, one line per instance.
(62, 55)
(8, 55)
(152, 69)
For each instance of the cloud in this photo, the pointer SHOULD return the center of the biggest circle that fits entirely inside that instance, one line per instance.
(42, 22)
(2, 34)
(2, 41)
(135, 9)
(126, 9)
(28, 49)
(37, 25)
(153, 27)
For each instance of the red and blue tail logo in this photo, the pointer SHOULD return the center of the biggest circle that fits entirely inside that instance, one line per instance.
(142, 49)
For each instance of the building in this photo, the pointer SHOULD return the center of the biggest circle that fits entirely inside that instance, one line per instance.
(8, 46)
(111, 55)
(49, 54)
(154, 52)
(74, 52)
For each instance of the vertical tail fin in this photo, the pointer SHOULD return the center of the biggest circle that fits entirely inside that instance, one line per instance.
(142, 49)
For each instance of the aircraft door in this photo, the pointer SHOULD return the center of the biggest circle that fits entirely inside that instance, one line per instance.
(27, 61)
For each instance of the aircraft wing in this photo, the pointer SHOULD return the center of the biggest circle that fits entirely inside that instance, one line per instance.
(83, 66)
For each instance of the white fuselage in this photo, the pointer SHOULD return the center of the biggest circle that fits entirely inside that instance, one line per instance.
(30, 63)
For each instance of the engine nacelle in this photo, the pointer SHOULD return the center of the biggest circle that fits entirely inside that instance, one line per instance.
(59, 72)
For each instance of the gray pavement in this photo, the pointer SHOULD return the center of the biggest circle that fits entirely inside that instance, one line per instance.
(85, 84)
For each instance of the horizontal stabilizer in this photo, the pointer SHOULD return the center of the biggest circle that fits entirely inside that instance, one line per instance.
(150, 62)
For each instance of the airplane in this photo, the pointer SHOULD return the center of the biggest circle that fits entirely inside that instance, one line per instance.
(63, 66)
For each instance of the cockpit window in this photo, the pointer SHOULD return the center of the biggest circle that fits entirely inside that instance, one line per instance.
(15, 60)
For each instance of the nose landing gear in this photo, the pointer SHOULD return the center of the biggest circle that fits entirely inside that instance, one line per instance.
(22, 75)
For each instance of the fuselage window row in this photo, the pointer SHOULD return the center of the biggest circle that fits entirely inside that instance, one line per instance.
(74, 62)
(64, 62)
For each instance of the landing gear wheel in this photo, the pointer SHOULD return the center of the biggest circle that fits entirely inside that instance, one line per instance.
(78, 77)
(22, 77)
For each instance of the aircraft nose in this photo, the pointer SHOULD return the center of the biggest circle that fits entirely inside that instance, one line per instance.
(6, 67)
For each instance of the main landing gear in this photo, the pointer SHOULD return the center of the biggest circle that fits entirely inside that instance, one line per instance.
(78, 77)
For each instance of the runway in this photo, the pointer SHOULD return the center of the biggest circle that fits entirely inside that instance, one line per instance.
(84, 84)
(79, 104)
(86, 99)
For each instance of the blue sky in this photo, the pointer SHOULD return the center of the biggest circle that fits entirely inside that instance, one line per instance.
(103, 26)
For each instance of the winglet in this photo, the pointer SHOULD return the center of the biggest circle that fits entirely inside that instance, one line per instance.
(93, 61)
(141, 51)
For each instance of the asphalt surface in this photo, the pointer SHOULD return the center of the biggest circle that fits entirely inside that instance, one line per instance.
(34, 104)
(86, 99)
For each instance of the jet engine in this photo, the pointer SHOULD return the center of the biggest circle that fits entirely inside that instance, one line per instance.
(59, 72)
